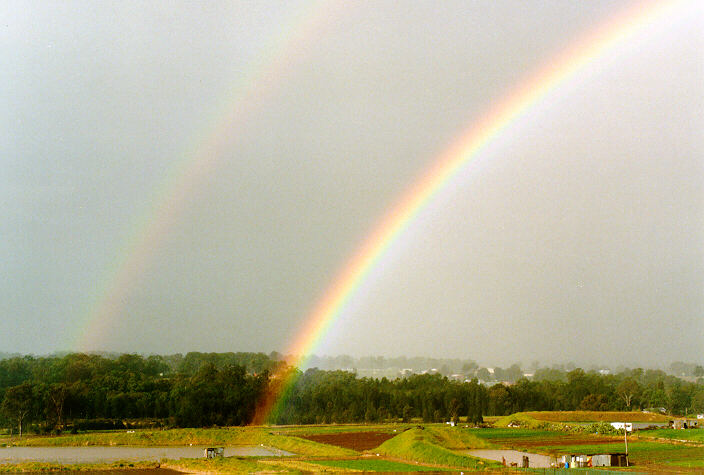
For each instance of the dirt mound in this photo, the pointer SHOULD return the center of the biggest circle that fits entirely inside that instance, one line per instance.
(359, 441)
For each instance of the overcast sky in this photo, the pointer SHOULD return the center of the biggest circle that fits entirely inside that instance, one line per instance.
(577, 235)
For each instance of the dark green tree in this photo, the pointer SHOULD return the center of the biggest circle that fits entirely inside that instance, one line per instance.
(18, 404)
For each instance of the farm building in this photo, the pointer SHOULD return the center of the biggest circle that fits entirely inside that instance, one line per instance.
(213, 452)
(595, 460)
(685, 424)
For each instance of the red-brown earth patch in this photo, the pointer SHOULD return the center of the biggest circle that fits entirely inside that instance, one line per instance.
(351, 440)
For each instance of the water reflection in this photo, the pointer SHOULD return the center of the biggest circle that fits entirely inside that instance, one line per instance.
(72, 455)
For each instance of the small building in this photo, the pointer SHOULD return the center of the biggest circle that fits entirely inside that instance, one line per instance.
(595, 460)
(213, 452)
(627, 426)
(685, 424)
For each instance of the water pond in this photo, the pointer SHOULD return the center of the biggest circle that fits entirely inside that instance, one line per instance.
(515, 456)
(71, 455)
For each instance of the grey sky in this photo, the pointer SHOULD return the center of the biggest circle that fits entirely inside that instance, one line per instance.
(576, 236)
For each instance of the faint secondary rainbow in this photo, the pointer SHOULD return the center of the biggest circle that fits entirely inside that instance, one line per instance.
(533, 89)
(150, 231)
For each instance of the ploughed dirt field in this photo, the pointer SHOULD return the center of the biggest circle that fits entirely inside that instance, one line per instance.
(351, 440)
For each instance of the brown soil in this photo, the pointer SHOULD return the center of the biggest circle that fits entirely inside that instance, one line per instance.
(351, 440)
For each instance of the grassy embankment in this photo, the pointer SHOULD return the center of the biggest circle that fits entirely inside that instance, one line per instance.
(536, 419)
(436, 446)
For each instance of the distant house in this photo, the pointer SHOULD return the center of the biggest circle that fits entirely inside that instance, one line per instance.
(685, 424)
(212, 452)
(595, 460)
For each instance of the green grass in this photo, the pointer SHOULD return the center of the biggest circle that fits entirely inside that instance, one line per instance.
(421, 445)
(653, 454)
(458, 438)
(689, 463)
(84, 467)
(509, 435)
(689, 435)
(224, 465)
(376, 465)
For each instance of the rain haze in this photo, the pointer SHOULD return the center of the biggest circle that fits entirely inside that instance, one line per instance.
(192, 176)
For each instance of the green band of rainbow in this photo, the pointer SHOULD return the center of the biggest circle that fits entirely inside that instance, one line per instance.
(530, 91)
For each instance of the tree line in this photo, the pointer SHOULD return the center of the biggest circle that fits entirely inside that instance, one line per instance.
(79, 392)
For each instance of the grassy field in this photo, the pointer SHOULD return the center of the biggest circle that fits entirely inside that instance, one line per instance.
(680, 435)
(28, 467)
(230, 465)
(645, 453)
(410, 447)
(660, 457)
(377, 465)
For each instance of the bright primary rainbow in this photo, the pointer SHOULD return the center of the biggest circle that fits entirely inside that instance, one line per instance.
(530, 91)
(244, 97)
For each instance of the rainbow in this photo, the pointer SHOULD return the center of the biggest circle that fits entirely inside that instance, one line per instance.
(262, 78)
(532, 90)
